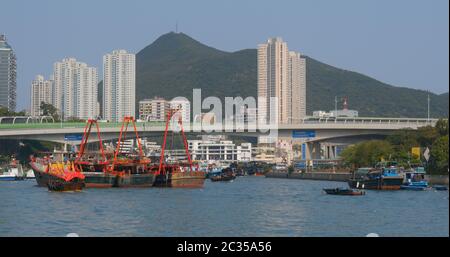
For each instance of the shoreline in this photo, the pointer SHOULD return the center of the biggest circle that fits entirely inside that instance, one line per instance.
(343, 177)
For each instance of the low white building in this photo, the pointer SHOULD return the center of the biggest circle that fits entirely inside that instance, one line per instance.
(223, 150)
(184, 107)
(345, 113)
(153, 109)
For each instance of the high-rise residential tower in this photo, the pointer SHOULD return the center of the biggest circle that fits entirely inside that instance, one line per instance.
(75, 90)
(296, 87)
(41, 91)
(281, 75)
(7, 75)
(119, 85)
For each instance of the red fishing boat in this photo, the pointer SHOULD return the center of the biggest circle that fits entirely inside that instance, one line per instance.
(131, 171)
(95, 169)
(64, 177)
(179, 175)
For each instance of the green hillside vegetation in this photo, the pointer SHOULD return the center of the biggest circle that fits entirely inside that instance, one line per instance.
(175, 64)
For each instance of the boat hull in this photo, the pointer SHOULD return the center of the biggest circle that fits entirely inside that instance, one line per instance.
(10, 178)
(413, 188)
(334, 191)
(41, 177)
(60, 185)
(222, 178)
(377, 184)
(188, 179)
(135, 180)
(99, 180)
(195, 179)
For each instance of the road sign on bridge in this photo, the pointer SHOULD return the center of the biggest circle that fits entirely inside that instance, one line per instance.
(73, 137)
(303, 133)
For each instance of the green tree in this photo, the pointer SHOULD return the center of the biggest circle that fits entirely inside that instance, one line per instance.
(402, 142)
(442, 127)
(427, 135)
(367, 153)
(49, 110)
(439, 156)
(5, 112)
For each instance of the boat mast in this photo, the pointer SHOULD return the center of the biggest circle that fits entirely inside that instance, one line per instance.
(123, 131)
(186, 147)
(170, 114)
(85, 138)
(161, 158)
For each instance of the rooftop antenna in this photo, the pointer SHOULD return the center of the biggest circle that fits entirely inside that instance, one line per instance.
(335, 105)
(345, 104)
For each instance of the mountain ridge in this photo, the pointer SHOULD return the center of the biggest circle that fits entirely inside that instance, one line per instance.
(175, 63)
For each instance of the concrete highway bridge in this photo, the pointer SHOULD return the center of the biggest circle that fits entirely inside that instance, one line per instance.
(310, 132)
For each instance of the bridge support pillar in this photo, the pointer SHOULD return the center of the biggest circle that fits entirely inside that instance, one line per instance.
(312, 151)
(330, 152)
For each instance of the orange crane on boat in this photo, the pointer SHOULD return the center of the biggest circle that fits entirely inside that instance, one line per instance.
(131, 172)
(85, 139)
(122, 136)
(173, 175)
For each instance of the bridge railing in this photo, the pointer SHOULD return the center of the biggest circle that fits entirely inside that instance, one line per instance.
(67, 125)
(370, 120)
(148, 125)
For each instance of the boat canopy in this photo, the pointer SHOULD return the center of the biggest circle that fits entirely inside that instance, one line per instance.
(363, 171)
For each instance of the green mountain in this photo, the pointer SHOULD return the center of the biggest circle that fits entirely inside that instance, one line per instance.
(175, 64)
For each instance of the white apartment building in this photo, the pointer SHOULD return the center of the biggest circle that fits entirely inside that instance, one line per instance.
(281, 74)
(296, 87)
(119, 85)
(155, 109)
(184, 107)
(75, 90)
(41, 91)
(223, 150)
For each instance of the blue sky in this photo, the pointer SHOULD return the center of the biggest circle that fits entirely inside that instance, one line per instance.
(402, 42)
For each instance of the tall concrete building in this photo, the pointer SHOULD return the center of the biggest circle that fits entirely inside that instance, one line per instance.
(119, 85)
(7, 75)
(41, 91)
(75, 90)
(281, 75)
(296, 87)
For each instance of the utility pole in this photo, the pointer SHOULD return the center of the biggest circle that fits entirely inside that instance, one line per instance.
(428, 109)
(335, 108)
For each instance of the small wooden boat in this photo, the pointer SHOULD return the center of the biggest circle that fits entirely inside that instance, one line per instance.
(377, 179)
(222, 178)
(12, 172)
(227, 174)
(343, 191)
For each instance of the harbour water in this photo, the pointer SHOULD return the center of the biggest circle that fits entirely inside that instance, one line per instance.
(248, 206)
